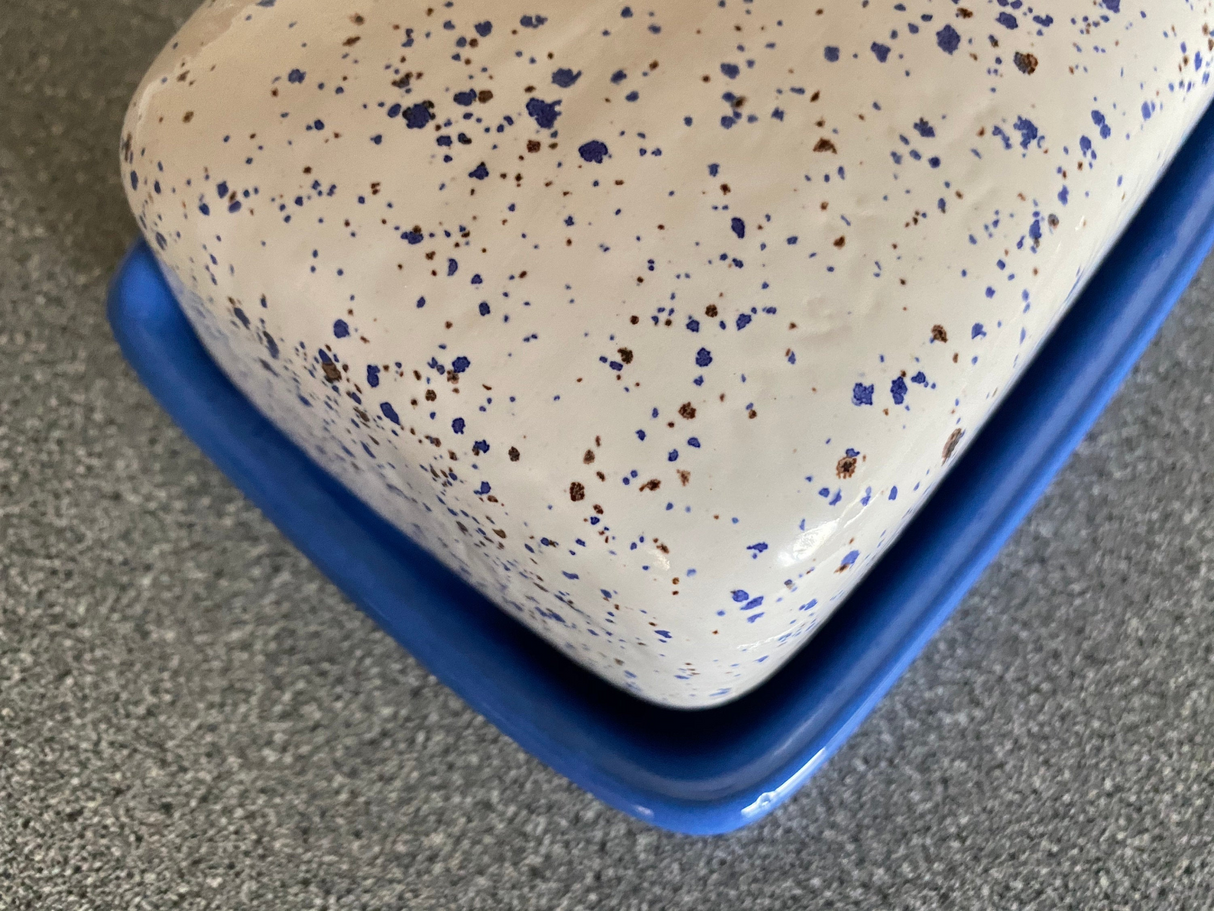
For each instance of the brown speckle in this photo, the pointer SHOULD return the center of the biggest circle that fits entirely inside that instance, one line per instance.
(953, 439)
(625, 355)
(938, 333)
(651, 484)
(840, 241)
(588, 458)
(687, 410)
(513, 453)
(846, 467)
(332, 374)
(577, 491)
(825, 145)
(1026, 63)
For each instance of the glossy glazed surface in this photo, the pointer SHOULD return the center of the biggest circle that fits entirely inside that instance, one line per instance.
(701, 304)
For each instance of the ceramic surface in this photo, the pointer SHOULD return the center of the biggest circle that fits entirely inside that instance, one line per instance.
(654, 323)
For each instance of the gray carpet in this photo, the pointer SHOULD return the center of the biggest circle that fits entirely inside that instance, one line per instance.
(192, 717)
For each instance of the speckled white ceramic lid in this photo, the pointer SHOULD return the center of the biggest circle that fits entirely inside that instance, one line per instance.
(656, 323)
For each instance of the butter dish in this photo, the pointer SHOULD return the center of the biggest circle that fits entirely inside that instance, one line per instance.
(659, 328)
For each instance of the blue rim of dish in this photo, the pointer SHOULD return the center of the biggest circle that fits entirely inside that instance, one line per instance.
(715, 770)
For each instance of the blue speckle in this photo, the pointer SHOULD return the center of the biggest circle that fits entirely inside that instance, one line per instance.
(703, 357)
(1027, 130)
(1105, 130)
(480, 172)
(390, 413)
(417, 116)
(565, 77)
(738, 227)
(947, 39)
(458, 425)
(831, 53)
(483, 28)
(881, 51)
(730, 70)
(543, 112)
(340, 329)
(861, 394)
(593, 151)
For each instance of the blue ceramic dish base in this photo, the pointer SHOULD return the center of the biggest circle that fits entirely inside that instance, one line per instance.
(710, 771)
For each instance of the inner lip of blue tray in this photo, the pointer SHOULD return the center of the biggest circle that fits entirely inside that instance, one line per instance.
(714, 769)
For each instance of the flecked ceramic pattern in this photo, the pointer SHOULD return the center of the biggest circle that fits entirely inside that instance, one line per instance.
(655, 323)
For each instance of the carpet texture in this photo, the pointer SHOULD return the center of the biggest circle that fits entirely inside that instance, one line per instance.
(192, 717)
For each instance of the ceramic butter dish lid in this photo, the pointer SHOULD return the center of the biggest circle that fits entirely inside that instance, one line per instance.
(654, 323)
